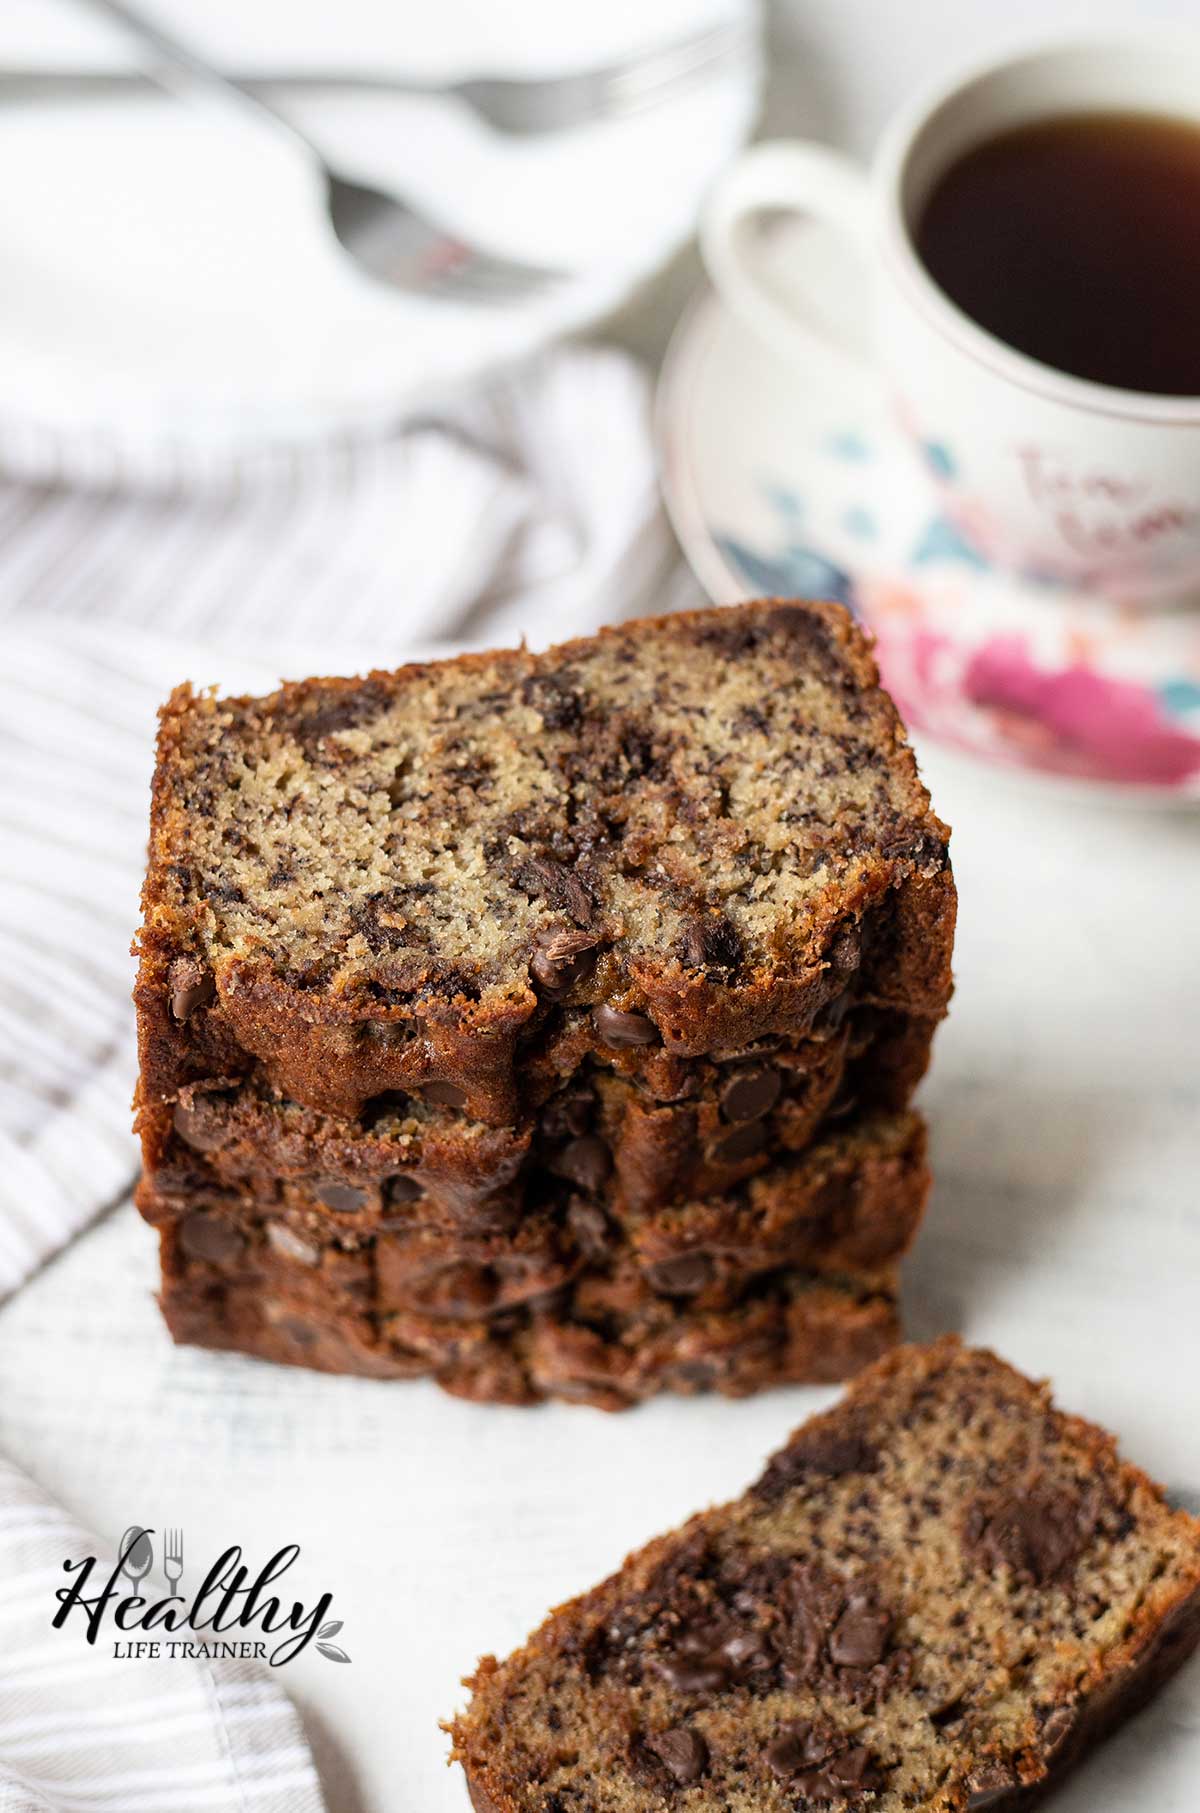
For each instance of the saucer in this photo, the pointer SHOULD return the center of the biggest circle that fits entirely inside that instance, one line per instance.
(776, 484)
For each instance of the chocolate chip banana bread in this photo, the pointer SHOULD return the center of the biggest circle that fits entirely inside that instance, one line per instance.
(244, 1135)
(608, 1341)
(599, 1133)
(853, 1200)
(936, 1598)
(686, 835)
(789, 1279)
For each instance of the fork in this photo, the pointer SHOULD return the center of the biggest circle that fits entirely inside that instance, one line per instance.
(172, 1557)
(518, 105)
(385, 236)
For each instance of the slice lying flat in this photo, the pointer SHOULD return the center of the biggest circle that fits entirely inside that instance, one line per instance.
(937, 1596)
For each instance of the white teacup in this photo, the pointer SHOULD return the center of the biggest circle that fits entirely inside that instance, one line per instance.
(1047, 473)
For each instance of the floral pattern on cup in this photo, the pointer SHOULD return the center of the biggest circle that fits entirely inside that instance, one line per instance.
(1054, 694)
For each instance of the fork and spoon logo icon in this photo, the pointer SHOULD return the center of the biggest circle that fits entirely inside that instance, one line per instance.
(137, 1556)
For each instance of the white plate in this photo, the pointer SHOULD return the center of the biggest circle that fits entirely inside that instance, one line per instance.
(777, 484)
(173, 299)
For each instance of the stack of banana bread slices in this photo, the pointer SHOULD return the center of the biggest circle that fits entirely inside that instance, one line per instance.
(546, 1024)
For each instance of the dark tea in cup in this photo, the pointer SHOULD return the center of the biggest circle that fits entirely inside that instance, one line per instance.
(1076, 240)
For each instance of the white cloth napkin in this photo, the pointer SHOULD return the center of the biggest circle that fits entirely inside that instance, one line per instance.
(78, 1732)
(530, 509)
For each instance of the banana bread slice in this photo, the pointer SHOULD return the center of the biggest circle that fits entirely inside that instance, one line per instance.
(937, 1596)
(608, 1341)
(603, 1133)
(245, 1136)
(852, 1206)
(696, 831)
(853, 1199)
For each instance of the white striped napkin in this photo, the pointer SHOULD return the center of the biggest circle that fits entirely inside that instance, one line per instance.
(78, 1733)
(531, 509)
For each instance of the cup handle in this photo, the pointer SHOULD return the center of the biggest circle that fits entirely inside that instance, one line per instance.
(806, 179)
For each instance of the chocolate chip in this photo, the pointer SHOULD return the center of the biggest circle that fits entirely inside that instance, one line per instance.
(707, 1672)
(838, 1775)
(569, 1114)
(850, 1769)
(444, 1095)
(825, 1453)
(712, 943)
(197, 1130)
(560, 959)
(585, 1162)
(337, 1194)
(748, 1651)
(750, 1094)
(210, 1238)
(401, 1188)
(558, 703)
(785, 1755)
(1038, 1533)
(562, 887)
(801, 629)
(286, 1241)
(710, 1659)
(797, 1747)
(683, 1276)
(684, 1753)
(802, 1643)
(191, 986)
(617, 1028)
(859, 1637)
(745, 1141)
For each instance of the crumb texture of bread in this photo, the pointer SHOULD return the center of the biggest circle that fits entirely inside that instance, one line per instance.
(935, 1599)
(693, 826)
